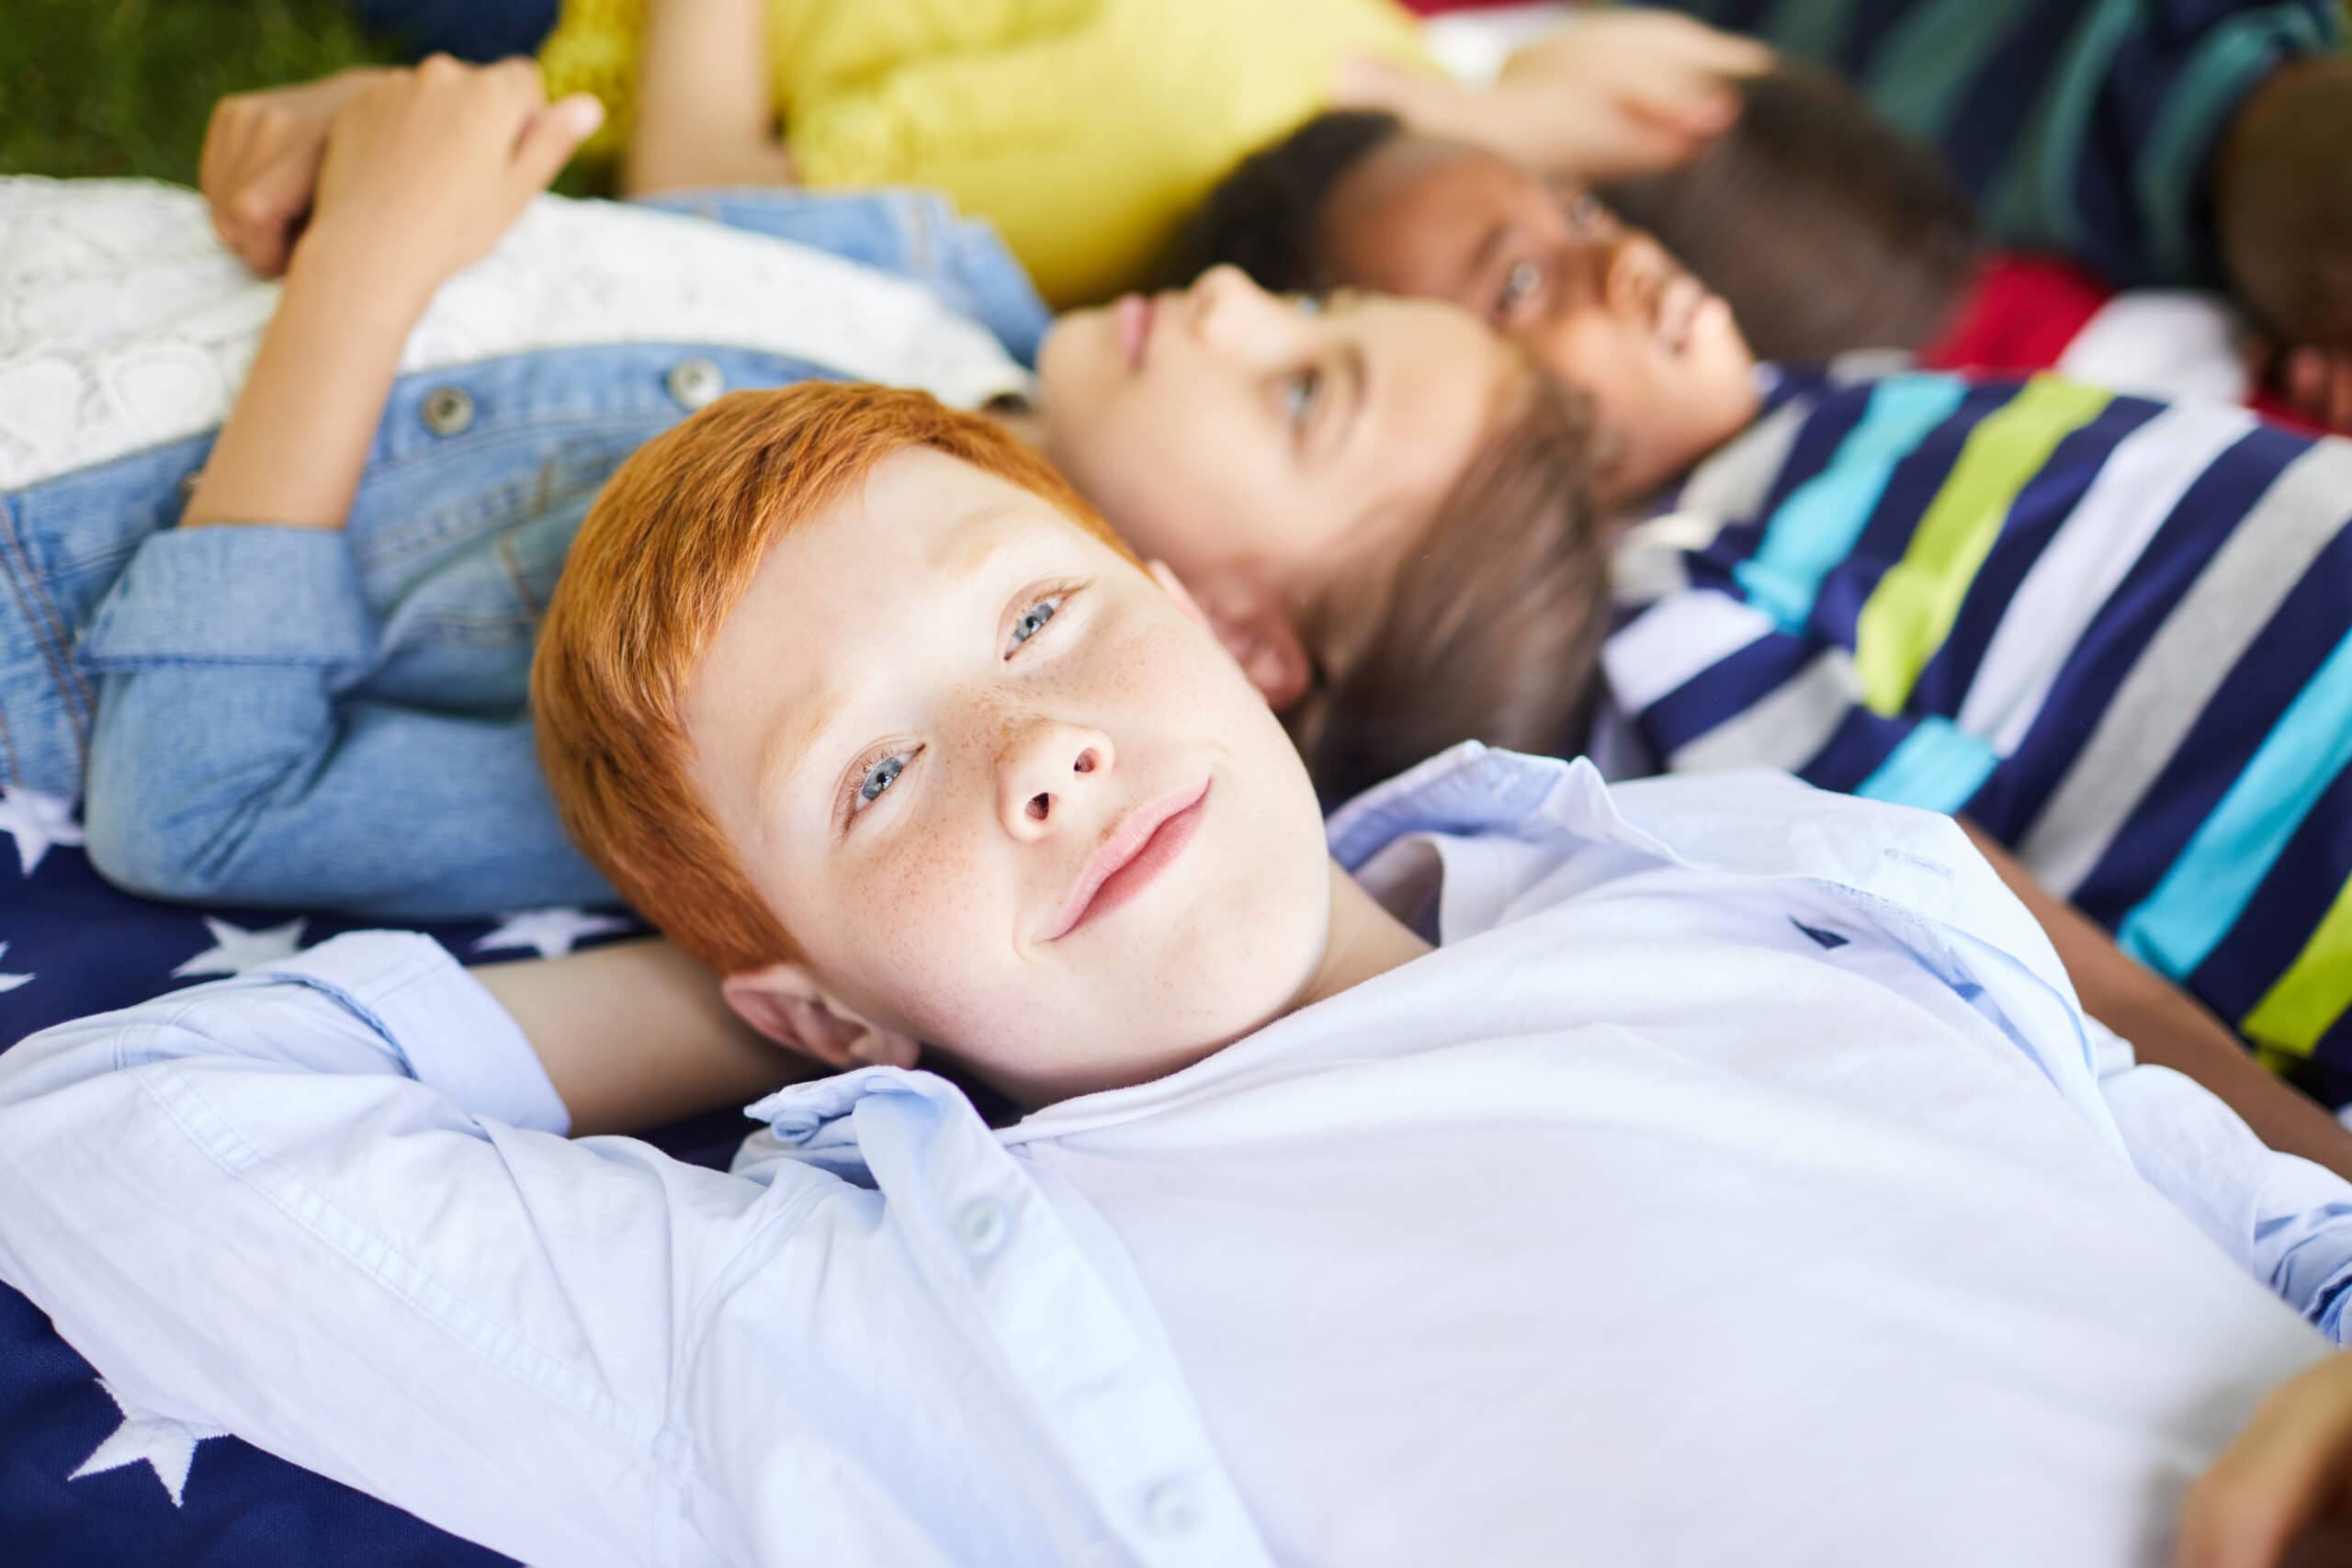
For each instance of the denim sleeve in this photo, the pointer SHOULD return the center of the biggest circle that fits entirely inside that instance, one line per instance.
(914, 234)
(233, 760)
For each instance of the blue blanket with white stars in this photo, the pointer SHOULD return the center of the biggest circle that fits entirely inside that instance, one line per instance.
(86, 1476)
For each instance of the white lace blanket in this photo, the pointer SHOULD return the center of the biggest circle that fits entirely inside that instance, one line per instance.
(124, 323)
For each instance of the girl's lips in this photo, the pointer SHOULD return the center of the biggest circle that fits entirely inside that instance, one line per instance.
(1133, 315)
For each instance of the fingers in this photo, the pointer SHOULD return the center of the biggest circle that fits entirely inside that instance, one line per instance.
(1699, 108)
(2318, 382)
(1367, 81)
(260, 219)
(2277, 1478)
(552, 135)
(1729, 54)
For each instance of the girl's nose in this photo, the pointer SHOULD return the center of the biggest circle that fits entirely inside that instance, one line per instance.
(1227, 310)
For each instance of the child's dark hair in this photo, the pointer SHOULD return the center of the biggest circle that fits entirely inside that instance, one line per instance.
(1489, 628)
(1263, 217)
(2284, 200)
(1823, 226)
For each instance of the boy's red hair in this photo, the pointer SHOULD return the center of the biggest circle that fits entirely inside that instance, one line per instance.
(665, 555)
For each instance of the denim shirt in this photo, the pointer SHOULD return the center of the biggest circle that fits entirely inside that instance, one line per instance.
(315, 717)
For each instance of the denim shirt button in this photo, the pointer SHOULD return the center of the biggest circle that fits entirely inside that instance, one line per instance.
(696, 382)
(447, 411)
(1170, 1510)
(982, 1227)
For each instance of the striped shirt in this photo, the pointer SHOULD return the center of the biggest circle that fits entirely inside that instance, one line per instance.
(2116, 633)
(2083, 127)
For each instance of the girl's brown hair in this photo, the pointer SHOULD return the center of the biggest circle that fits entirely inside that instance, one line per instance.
(1489, 628)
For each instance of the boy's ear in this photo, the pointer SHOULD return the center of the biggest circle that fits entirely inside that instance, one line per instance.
(1254, 624)
(787, 1004)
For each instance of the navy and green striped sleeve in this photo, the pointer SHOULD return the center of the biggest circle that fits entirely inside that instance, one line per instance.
(2085, 126)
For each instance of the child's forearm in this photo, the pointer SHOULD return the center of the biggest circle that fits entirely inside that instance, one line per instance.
(706, 114)
(636, 1034)
(296, 443)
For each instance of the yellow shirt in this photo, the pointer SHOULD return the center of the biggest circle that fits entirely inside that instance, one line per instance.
(1085, 130)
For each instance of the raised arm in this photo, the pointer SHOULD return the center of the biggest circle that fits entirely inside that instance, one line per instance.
(326, 1209)
(229, 760)
(424, 170)
(1610, 95)
(705, 109)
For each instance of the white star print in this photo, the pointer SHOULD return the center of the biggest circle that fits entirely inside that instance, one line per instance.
(10, 982)
(166, 1444)
(38, 822)
(235, 950)
(552, 931)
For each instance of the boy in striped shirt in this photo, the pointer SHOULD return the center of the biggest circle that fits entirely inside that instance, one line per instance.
(2113, 633)
(2103, 629)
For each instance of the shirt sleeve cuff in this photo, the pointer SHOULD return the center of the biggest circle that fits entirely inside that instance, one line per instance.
(454, 1035)
(236, 594)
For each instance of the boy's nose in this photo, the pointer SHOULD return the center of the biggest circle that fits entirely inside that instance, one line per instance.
(1043, 764)
(1637, 271)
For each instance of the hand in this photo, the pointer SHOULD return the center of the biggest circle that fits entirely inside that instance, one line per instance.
(425, 169)
(2282, 1493)
(1608, 95)
(261, 162)
(2318, 383)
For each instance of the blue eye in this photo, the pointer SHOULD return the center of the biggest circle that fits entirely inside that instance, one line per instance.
(877, 781)
(1301, 392)
(1519, 286)
(1032, 620)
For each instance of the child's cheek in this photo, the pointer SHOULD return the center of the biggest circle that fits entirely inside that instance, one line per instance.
(931, 935)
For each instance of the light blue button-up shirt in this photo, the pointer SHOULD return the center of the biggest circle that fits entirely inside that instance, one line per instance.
(1738, 1180)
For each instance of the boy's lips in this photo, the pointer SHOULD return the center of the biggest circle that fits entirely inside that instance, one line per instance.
(1138, 849)
(1133, 315)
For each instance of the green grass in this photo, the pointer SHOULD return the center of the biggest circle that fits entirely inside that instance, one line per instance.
(124, 86)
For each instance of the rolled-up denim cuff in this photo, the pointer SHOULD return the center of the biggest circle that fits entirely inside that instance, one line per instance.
(234, 594)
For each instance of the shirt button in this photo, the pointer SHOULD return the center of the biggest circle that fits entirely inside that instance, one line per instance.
(696, 382)
(1170, 1510)
(982, 1227)
(447, 411)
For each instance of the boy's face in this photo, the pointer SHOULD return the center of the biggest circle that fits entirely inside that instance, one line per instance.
(1010, 795)
(1223, 429)
(1603, 307)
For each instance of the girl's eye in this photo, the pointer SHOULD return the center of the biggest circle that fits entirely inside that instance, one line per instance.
(1301, 393)
(879, 780)
(1585, 215)
(1520, 285)
(1032, 620)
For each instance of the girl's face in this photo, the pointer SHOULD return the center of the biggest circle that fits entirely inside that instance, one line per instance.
(1603, 307)
(1302, 441)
